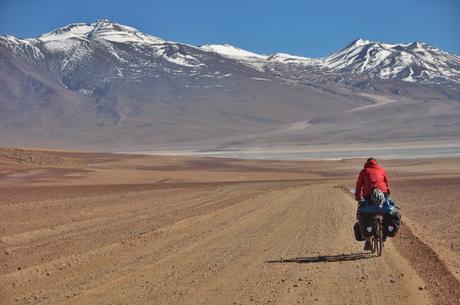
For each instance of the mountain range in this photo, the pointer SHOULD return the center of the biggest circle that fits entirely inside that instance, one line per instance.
(107, 86)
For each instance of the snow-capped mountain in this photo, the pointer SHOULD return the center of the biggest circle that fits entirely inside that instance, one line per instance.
(108, 85)
(76, 37)
(102, 29)
(411, 62)
(76, 43)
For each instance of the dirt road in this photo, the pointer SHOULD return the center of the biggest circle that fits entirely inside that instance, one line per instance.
(199, 243)
(104, 229)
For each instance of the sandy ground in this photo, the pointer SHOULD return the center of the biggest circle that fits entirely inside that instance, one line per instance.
(81, 228)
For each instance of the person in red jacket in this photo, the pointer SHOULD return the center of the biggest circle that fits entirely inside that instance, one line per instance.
(372, 176)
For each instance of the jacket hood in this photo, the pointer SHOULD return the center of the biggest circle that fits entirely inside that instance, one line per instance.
(371, 163)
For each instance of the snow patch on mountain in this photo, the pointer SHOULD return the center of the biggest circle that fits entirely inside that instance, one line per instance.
(247, 58)
(74, 30)
(287, 58)
(110, 31)
(184, 60)
(61, 45)
(227, 50)
(22, 47)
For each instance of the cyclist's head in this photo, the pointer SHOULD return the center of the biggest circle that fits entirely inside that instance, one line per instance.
(371, 159)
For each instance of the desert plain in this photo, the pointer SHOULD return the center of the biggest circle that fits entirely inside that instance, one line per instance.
(96, 228)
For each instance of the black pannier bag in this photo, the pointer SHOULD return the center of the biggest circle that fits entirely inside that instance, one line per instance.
(366, 223)
(357, 231)
(391, 223)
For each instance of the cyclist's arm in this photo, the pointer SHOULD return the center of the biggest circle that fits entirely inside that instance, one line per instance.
(359, 185)
(385, 179)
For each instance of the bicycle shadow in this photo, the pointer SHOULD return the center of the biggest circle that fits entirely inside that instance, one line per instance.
(324, 258)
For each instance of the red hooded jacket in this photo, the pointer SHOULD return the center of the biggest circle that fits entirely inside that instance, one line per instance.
(370, 177)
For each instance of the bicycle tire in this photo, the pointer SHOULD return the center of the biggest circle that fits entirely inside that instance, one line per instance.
(373, 244)
(379, 238)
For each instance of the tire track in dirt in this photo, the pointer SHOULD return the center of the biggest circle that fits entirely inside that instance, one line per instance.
(96, 232)
(443, 286)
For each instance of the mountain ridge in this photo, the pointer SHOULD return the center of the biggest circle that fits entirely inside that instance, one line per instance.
(105, 85)
(412, 62)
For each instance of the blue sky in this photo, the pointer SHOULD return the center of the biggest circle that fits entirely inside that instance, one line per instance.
(308, 28)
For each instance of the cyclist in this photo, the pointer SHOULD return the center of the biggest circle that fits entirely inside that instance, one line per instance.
(371, 177)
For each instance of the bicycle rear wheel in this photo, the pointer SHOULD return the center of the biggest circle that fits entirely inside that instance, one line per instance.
(373, 244)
